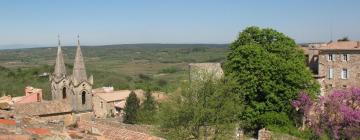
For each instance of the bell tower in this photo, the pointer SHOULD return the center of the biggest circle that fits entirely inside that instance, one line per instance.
(58, 79)
(81, 86)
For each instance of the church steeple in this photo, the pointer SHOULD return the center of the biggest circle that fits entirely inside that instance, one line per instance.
(79, 72)
(59, 64)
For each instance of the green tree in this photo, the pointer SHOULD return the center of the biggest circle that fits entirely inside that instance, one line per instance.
(270, 71)
(205, 109)
(132, 106)
(148, 108)
(344, 39)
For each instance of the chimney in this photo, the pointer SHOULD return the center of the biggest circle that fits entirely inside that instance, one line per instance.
(358, 44)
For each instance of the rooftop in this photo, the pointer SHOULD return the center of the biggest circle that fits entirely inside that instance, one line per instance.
(43, 108)
(118, 95)
(341, 45)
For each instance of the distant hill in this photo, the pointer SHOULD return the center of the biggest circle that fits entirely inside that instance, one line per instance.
(140, 45)
(162, 67)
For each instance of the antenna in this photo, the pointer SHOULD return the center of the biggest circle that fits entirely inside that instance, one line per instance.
(58, 39)
(78, 37)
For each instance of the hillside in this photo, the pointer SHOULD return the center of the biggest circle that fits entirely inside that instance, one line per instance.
(159, 66)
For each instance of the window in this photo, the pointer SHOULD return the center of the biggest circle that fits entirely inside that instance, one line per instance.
(64, 93)
(331, 57)
(83, 97)
(330, 73)
(344, 74)
(345, 57)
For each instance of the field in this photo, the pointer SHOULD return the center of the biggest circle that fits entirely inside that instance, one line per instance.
(161, 67)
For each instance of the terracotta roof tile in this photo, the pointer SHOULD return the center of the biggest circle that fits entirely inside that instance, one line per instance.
(7, 122)
(43, 108)
(38, 131)
(116, 133)
(342, 45)
(118, 95)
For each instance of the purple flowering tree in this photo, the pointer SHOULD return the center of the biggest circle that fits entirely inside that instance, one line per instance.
(337, 114)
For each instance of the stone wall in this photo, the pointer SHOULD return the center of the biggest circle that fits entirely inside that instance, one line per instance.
(352, 65)
(264, 134)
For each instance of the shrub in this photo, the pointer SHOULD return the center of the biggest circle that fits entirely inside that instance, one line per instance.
(337, 114)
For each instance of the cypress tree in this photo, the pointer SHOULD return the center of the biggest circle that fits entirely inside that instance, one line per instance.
(132, 106)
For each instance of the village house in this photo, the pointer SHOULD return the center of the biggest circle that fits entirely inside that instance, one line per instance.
(110, 103)
(31, 95)
(335, 65)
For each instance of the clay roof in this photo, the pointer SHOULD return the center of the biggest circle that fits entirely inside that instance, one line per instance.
(342, 45)
(7, 122)
(118, 95)
(38, 131)
(117, 133)
(43, 108)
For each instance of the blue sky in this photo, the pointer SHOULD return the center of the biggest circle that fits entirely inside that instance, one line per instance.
(172, 21)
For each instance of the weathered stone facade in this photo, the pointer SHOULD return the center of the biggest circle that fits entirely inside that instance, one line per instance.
(75, 89)
(339, 65)
(335, 64)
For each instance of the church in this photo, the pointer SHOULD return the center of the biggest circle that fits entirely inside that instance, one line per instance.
(75, 88)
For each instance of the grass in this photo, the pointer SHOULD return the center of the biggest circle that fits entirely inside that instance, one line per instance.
(121, 66)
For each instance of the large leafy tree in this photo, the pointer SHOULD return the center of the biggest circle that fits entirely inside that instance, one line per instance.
(132, 106)
(270, 71)
(205, 109)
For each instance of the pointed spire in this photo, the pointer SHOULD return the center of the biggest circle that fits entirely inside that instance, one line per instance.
(79, 71)
(59, 64)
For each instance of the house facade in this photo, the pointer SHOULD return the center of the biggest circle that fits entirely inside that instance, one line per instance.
(338, 65)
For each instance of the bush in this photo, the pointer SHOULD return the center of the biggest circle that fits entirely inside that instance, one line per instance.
(336, 115)
(169, 70)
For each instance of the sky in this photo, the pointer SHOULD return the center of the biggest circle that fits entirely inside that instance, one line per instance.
(101, 22)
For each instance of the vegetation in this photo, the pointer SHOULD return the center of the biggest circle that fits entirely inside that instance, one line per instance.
(131, 109)
(127, 66)
(344, 39)
(336, 115)
(203, 109)
(269, 71)
(148, 109)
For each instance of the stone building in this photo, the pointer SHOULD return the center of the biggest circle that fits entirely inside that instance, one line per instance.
(76, 88)
(31, 95)
(339, 65)
(46, 110)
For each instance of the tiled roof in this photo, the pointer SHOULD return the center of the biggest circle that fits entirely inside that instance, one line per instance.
(38, 131)
(116, 133)
(342, 45)
(7, 122)
(118, 95)
(43, 108)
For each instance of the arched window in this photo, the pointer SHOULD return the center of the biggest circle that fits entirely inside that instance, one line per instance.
(83, 97)
(64, 93)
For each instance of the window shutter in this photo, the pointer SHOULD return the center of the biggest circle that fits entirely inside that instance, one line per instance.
(330, 75)
(334, 57)
(348, 57)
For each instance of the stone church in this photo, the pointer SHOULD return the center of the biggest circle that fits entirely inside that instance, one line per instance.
(75, 89)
